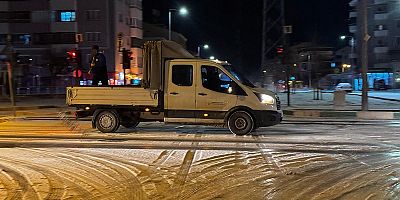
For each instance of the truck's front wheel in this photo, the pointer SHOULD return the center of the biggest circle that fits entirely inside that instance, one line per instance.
(240, 123)
(107, 121)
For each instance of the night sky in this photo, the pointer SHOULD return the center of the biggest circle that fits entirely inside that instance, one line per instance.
(233, 28)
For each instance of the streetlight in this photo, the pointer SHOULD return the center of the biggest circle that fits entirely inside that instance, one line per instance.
(352, 57)
(345, 66)
(352, 41)
(182, 11)
(212, 58)
(309, 67)
(205, 46)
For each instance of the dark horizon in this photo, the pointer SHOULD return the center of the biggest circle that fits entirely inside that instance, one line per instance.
(233, 28)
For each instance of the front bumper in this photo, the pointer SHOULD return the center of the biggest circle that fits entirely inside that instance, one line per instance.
(266, 118)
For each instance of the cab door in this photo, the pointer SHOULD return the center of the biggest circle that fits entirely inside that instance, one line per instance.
(180, 94)
(216, 94)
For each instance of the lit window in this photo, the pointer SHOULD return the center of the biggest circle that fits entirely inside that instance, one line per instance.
(67, 16)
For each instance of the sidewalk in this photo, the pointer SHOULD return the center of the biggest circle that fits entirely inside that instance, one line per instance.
(390, 95)
(305, 100)
(382, 105)
(33, 102)
(44, 106)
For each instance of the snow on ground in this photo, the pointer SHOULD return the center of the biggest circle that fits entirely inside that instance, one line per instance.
(307, 159)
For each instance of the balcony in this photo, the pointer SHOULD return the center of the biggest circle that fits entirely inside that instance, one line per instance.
(136, 23)
(381, 33)
(353, 3)
(353, 55)
(135, 4)
(353, 14)
(15, 17)
(380, 2)
(381, 16)
(380, 50)
(352, 28)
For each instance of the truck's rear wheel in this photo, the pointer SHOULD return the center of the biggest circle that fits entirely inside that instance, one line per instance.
(240, 123)
(107, 121)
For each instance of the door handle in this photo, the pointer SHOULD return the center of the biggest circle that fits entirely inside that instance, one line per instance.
(202, 94)
(218, 103)
(174, 93)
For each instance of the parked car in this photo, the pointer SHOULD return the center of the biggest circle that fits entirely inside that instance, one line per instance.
(344, 87)
(380, 85)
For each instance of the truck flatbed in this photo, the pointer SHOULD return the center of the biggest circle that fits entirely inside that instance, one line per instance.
(111, 95)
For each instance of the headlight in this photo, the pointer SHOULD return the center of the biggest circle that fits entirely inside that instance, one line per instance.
(266, 99)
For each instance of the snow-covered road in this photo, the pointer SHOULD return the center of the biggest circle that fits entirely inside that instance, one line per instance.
(305, 159)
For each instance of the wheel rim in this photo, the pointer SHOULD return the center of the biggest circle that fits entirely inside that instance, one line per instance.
(240, 123)
(106, 121)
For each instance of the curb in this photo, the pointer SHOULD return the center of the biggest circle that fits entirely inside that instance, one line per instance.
(19, 108)
(349, 114)
(380, 98)
(372, 97)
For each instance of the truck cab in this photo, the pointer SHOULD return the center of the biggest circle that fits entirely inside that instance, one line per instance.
(205, 92)
(178, 88)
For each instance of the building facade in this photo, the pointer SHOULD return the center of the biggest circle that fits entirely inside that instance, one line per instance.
(43, 31)
(384, 44)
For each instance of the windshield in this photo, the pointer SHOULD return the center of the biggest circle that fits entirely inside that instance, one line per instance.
(238, 76)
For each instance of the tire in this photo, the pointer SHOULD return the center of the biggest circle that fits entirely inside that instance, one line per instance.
(240, 123)
(131, 124)
(107, 121)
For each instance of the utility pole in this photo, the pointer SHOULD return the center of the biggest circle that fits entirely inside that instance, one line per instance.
(309, 66)
(364, 55)
(169, 24)
(271, 39)
(285, 52)
(10, 62)
(11, 86)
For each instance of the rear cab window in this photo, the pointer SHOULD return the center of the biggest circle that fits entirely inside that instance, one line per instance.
(182, 75)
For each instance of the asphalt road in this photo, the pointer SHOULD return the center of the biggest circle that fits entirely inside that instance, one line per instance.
(299, 159)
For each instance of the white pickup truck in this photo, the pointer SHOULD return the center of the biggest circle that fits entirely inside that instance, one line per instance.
(179, 89)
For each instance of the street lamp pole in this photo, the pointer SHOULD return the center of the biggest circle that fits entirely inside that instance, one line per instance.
(352, 44)
(182, 11)
(170, 23)
(198, 51)
(205, 46)
(351, 56)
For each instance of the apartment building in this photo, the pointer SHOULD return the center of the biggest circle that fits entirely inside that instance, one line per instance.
(44, 30)
(384, 45)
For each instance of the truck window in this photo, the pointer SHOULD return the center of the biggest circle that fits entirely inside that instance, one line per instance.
(182, 75)
(216, 80)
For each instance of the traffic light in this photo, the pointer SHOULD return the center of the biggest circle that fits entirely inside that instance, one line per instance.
(74, 58)
(71, 56)
(126, 59)
(279, 50)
